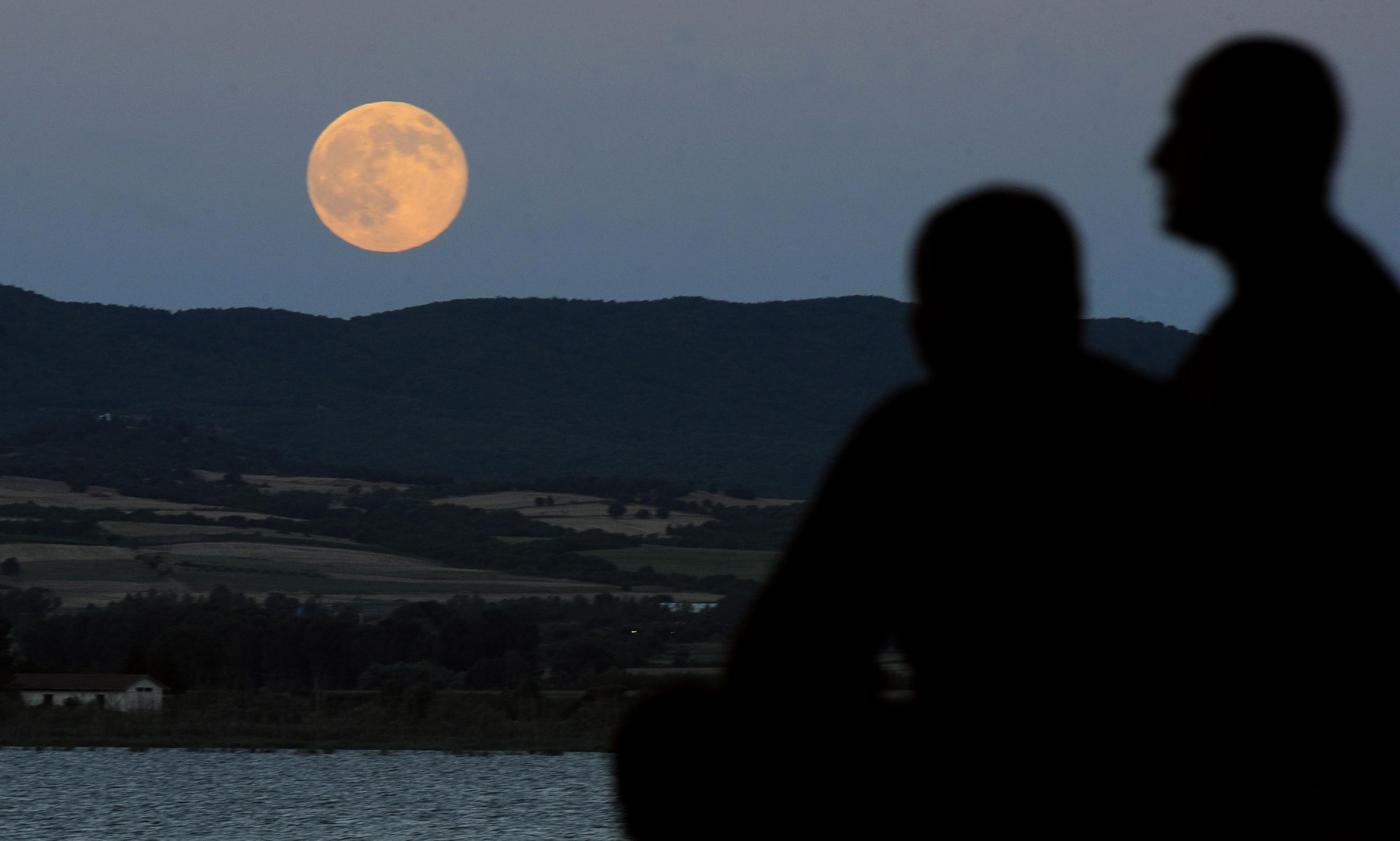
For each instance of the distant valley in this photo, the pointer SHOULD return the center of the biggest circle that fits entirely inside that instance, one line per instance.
(479, 496)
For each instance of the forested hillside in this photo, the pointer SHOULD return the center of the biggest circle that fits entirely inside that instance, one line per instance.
(685, 389)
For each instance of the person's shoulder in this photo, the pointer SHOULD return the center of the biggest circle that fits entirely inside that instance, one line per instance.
(1359, 314)
(1359, 279)
(1108, 385)
(910, 396)
(1102, 372)
(911, 401)
(890, 435)
(896, 417)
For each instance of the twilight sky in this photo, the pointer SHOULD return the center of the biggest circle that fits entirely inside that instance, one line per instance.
(154, 153)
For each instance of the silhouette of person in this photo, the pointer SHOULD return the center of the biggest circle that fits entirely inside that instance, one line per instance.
(1307, 350)
(1294, 380)
(1001, 524)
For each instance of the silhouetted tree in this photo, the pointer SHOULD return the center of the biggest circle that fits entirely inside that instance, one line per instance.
(10, 566)
(30, 603)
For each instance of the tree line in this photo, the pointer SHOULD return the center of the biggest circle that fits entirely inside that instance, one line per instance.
(231, 642)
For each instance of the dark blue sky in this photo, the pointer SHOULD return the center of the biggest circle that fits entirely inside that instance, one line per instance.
(154, 153)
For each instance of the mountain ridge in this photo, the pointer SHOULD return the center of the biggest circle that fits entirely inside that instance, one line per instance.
(685, 388)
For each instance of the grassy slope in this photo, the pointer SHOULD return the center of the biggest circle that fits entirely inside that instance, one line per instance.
(577, 511)
(183, 558)
(83, 574)
(741, 563)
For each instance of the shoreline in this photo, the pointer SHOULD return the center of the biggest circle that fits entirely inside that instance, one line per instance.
(310, 739)
(581, 722)
(294, 751)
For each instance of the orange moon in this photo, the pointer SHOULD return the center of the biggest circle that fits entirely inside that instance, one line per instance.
(387, 176)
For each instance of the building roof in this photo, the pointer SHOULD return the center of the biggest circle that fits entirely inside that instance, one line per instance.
(78, 683)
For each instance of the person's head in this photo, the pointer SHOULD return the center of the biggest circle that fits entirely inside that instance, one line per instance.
(1254, 136)
(996, 282)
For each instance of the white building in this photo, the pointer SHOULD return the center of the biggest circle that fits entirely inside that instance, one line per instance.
(124, 693)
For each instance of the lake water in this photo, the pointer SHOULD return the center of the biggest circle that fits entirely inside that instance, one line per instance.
(173, 795)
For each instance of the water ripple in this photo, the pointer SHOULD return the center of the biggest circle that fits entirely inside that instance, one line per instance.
(119, 795)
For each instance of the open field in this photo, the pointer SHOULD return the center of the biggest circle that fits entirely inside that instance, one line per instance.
(180, 558)
(99, 574)
(576, 511)
(18, 489)
(645, 591)
(741, 563)
(348, 563)
(181, 532)
(216, 514)
(45, 553)
(82, 575)
(518, 500)
(339, 486)
(736, 502)
(627, 524)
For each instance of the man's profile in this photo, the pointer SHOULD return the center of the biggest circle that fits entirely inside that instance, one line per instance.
(1306, 353)
(1294, 382)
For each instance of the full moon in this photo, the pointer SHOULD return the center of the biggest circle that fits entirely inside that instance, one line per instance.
(387, 176)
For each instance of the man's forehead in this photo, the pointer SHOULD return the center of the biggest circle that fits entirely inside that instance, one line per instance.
(1198, 99)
